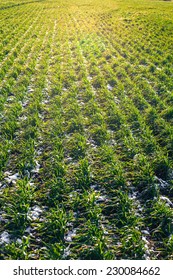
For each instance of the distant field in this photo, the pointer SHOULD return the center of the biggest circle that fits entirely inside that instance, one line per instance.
(86, 129)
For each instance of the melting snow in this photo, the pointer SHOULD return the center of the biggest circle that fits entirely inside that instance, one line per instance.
(145, 240)
(68, 159)
(34, 212)
(30, 89)
(163, 184)
(37, 167)
(147, 252)
(28, 230)
(70, 235)
(89, 78)
(11, 178)
(167, 200)
(2, 219)
(22, 118)
(19, 241)
(39, 152)
(109, 87)
(101, 199)
(24, 104)
(11, 98)
(4, 238)
(94, 187)
(66, 252)
(145, 232)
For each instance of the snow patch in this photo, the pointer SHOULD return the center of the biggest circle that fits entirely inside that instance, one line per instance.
(37, 167)
(109, 87)
(34, 213)
(167, 200)
(4, 238)
(11, 178)
(70, 235)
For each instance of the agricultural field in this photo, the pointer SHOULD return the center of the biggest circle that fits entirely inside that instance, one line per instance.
(86, 129)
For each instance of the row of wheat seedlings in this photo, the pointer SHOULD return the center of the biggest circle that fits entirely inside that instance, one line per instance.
(14, 29)
(160, 161)
(12, 98)
(161, 154)
(98, 137)
(18, 189)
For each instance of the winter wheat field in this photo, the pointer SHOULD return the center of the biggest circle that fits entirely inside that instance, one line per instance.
(86, 129)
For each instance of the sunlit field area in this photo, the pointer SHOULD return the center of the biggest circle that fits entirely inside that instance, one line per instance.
(86, 129)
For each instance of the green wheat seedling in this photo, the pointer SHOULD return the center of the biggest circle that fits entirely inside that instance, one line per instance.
(18, 250)
(17, 205)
